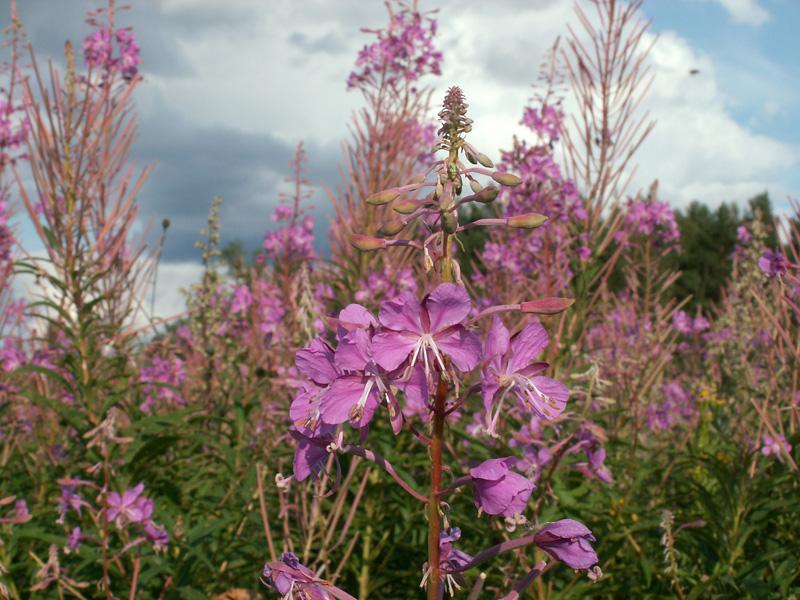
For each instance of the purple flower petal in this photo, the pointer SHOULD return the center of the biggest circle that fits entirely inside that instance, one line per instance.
(354, 351)
(447, 305)
(349, 397)
(526, 346)
(497, 339)
(356, 315)
(463, 347)
(391, 348)
(402, 314)
(316, 362)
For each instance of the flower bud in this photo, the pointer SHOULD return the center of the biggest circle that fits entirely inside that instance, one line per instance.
(508, 179)
(485, 160)
(367, 243)
(527, 221)
(470, 156)
(487, 194)
(449, 221)
(384, 197)
(475, 186)
(405, 207)
(391, 228)
(547, 306)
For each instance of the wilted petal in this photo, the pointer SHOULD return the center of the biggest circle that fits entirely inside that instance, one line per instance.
(447, 305)
(309, 458)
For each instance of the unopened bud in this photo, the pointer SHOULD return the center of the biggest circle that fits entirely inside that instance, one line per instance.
(427, 261)
(165, 224)
(508, 179)
(485, 161)
(391, 228)
(405, 207)
(449, 221)
(487, 194)
(547, 306)
(475, 186)
(367, 243)
(527, 221)
(470, 156)
(384, 197)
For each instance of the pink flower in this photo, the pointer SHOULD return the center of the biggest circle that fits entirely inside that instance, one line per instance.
(427, 332)
(498, 490)
(510, 367)
(569, 541)
(130, 507)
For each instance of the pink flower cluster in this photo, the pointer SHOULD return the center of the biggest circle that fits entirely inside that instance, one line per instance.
(677, 408)
(13, 132)
(547, 251)
(545, 120)
(158, 380)
(403, 52)
(293, 241)
(387, 284)
(652, 219)
(98, 52)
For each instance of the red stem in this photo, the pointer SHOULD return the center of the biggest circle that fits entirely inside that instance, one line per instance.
(434, 521)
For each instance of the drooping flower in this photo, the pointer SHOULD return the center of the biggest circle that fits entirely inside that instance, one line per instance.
(427, 332)
(156, 535)
(510, 367)
(316, 362)
(498, 490)
(311, 452)
(595, 466)
(74, 540)
(293, 580)
(569, 541)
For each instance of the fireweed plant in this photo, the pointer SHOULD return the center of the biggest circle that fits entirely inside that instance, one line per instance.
(420, 361)
(274, 421)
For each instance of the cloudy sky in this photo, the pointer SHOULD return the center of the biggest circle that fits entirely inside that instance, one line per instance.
(230, 88)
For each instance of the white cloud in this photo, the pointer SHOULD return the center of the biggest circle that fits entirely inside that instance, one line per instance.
(698, 150)
(749, 12)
